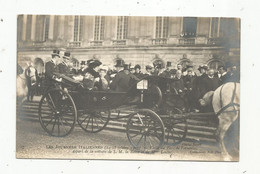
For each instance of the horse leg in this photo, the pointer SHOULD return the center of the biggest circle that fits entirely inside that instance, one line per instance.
(225, 121)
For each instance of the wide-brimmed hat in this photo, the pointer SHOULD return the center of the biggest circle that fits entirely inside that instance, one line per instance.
(56, 53)
(168, 64)
(119, 63)
(205, 67)
(66, 55)
(93, 63)
(137, 66)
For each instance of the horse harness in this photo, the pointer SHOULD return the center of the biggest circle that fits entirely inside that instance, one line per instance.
(231, 104)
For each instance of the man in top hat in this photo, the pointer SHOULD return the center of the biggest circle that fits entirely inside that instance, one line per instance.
(166, 73)
(51, 68)
(64, 65)
(121, 81)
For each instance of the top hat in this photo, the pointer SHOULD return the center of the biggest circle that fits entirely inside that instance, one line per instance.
(126, 66)
(169, 64)
(119, 63)
(137, 66)
(56, 53)
(66, 55)
(83, 62)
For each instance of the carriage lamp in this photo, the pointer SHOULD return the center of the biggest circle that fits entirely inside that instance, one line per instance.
(142, 85)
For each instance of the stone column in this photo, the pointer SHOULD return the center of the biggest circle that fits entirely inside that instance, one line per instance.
(24, 27)
(51, 27)
(33, 27)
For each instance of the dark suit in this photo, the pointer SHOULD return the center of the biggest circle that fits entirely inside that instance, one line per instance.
(50, 69)
(120, 82)
(63, 68)
(166, 74)
(210, 84)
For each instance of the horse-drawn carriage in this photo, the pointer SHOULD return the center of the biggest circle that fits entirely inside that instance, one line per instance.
(151, 122)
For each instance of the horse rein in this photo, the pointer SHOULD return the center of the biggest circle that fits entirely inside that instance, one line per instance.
(230, 104)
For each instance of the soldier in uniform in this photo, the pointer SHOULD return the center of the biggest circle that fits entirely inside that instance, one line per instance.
(51, 68)
(64, 65)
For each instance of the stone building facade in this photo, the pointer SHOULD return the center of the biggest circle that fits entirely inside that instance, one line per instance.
(136, 40)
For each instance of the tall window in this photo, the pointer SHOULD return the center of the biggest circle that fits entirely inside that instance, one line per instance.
(189, 26)
(99, 28)
(46, 27)
(162, 27)
(122, 23)
(214, 27)
(78, 23)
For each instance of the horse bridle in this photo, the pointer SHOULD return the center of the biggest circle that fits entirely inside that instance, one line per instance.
(231, 104)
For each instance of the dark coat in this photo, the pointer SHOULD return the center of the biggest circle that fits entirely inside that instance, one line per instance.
(50, 69)
(166, 74)
(91, 71)
(189, 82)
(139, 75)
(63, 68)
(210, 84)
(120, 82)
(178, 84)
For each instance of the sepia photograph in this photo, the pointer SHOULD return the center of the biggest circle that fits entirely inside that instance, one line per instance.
(128, 87)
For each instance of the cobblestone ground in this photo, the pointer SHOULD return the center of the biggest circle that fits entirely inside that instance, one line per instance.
(33, 142)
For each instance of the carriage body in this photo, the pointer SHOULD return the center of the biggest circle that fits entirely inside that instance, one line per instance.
(67, 102)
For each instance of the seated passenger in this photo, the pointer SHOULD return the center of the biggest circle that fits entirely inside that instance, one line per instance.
(103, 82)
(121, 81)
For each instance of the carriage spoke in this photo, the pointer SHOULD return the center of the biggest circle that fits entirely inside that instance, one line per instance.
(88, 122)
(139, 140)
(63, 125)
(83, 120)
(48, 122)
(53, 126)
(58, 126)
(54, 107)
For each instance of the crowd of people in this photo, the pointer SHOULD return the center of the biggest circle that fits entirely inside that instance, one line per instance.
(184, 82)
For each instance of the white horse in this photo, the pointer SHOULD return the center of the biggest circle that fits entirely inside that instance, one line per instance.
(226, 104)
(21, 85)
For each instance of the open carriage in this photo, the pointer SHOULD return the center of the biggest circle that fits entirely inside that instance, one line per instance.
(61, 107)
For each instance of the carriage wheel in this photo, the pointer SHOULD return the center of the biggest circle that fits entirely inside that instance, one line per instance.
(175, 127)
(145, 131)
(57, 113)
(93, 121)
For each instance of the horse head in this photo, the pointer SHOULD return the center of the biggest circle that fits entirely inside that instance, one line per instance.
(206, 99)
(31, 74)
